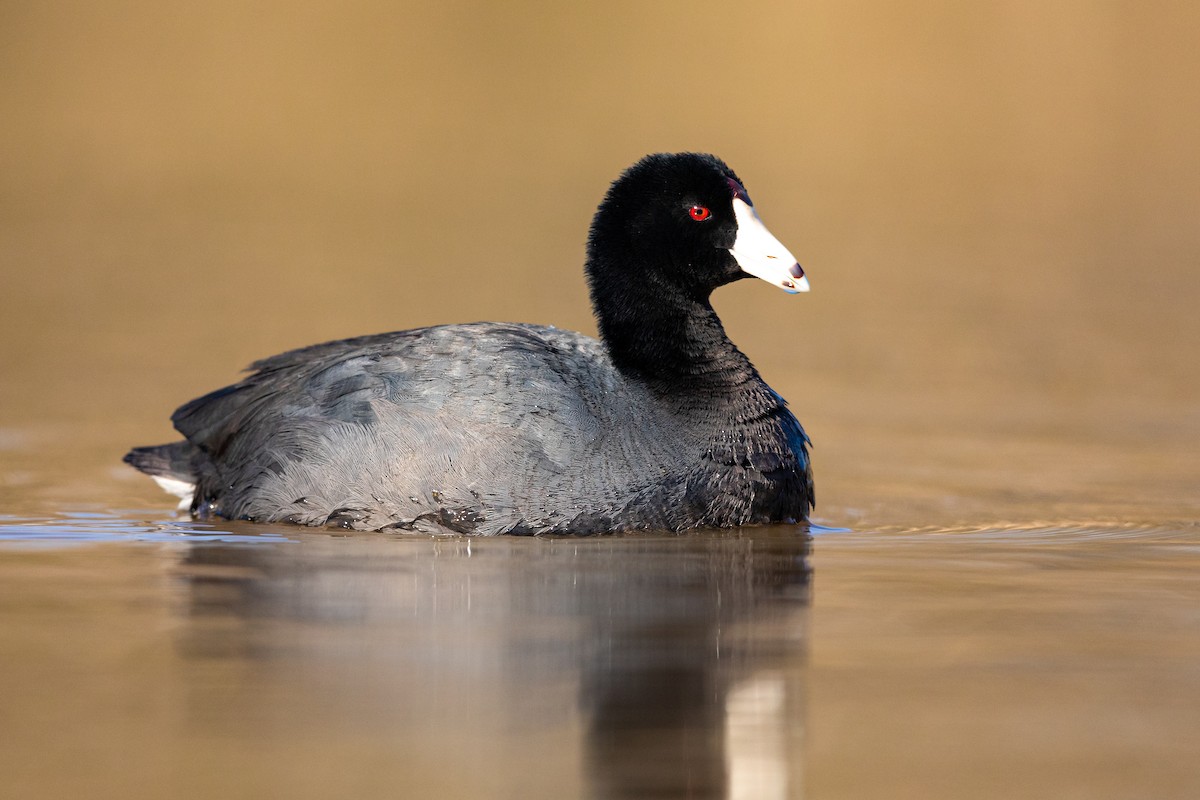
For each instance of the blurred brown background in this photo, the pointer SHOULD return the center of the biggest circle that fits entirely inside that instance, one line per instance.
(997, 204)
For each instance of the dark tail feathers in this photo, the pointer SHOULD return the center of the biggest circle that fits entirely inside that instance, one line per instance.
(172, 460)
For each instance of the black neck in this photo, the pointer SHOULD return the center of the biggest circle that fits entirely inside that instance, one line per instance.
(659, 335)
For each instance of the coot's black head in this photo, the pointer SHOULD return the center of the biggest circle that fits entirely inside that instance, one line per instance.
(678, 225)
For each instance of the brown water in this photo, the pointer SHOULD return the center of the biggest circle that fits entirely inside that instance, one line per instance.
(997, 207)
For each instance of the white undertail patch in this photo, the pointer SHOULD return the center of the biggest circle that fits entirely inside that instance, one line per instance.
(182, 489)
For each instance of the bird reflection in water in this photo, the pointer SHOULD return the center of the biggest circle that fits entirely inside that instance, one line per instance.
(604, 667)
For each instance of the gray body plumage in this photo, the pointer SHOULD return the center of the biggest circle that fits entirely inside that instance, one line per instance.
(485, 428)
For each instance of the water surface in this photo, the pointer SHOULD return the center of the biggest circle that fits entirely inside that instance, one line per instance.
(147, 655)
(193, 661)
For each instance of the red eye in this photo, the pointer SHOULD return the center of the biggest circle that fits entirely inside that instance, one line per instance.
(699, 213)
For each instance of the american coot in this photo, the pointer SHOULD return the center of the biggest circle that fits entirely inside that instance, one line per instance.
(493, 428)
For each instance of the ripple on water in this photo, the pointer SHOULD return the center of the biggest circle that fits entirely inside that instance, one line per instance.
(1030, 532)
(72, 528)
(68, 528)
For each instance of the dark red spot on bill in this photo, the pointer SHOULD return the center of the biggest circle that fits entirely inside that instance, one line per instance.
(739, 191)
